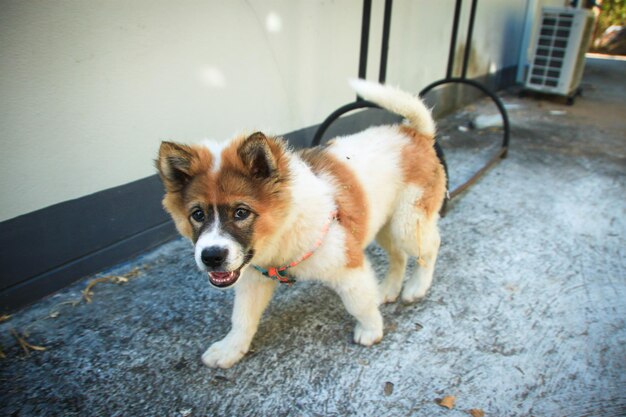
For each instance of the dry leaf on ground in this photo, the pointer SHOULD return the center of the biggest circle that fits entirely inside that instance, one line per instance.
(388, 388)
(4, 317)
(477, 412)
(27, 347)
(115, 279)
(448, 401)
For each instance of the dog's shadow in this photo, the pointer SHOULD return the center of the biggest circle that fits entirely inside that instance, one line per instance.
(314, 319)
(309, 317)
(309, 313)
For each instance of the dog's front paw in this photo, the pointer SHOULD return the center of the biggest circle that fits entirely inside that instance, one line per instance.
(223, 354)
(367, 336)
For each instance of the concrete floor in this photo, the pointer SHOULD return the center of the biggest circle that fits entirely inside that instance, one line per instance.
(525, 317)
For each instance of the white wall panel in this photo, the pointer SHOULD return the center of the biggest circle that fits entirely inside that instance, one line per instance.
(89, 88)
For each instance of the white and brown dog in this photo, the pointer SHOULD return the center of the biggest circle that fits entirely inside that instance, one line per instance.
(259, 213)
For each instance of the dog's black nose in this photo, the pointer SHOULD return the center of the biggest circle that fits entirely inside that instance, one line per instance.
(214, 256)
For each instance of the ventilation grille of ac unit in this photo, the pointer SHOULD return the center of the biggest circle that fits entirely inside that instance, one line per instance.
(560, 42)
(551, 48)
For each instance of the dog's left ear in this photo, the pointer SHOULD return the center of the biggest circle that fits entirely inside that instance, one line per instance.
(256, 155)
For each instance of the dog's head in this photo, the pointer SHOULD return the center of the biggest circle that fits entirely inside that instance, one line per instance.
(227, 200)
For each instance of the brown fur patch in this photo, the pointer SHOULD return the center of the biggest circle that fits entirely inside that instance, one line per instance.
(232, 184)
(350, 199)
(421, 166)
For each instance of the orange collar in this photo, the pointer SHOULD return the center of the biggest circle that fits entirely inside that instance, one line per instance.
(280, 273)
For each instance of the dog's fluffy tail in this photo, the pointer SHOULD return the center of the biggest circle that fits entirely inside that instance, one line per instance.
(397, 101)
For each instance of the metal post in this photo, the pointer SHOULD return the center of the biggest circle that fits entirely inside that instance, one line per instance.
(365, 37)
(468, 40)
(455, 31)
(382, 74)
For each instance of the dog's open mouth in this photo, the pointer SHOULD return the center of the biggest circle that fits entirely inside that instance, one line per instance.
(224, 279)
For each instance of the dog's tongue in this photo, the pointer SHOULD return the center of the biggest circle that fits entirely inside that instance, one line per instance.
(223, 279)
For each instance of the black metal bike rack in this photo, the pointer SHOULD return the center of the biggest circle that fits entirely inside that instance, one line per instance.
(449, 79)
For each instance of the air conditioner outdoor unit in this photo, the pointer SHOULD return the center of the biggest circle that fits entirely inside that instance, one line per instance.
(559, 54)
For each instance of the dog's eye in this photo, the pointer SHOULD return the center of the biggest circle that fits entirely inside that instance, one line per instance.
(241, 213)
(198, 215)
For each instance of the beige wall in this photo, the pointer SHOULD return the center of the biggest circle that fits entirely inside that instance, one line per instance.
(421, 37)
(89, 87)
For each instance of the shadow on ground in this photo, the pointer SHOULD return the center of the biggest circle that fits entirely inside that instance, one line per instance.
(525, 317)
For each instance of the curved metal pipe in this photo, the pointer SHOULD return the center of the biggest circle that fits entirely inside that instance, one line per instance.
(487, 92)
(361, 104)
(501, 154)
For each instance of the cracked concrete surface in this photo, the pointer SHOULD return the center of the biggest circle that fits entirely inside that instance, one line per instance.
(525, 316)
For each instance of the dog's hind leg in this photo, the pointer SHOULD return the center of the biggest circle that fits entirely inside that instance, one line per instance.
(358, 290)
(425, 249)
(392, 284)
(415, 232)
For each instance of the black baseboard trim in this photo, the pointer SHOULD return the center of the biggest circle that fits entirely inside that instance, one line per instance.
(46, 250)
(60, 277)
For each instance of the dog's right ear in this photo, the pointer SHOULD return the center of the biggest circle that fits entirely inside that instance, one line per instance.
(174, 164)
